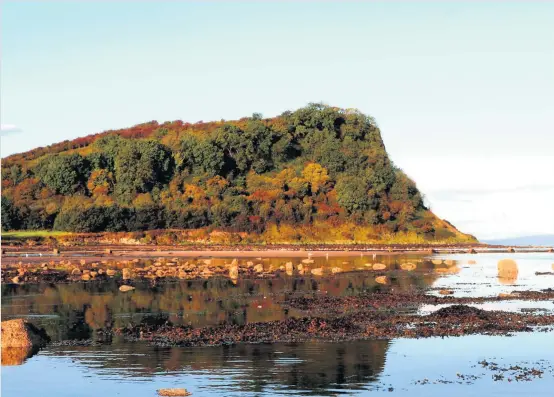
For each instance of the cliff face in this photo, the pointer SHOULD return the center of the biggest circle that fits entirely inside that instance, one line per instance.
(319, 173)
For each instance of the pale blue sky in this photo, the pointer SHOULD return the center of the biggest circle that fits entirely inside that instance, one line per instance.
(463, 93)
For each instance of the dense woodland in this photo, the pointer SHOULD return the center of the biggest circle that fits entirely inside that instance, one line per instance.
(316, 165)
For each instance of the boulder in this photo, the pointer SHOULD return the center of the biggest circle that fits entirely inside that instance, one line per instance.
(507, 271)
(22, 334)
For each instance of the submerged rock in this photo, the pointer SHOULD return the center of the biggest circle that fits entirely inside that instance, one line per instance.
(22, 334)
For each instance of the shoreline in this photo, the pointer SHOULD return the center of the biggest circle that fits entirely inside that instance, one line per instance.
(270, 250)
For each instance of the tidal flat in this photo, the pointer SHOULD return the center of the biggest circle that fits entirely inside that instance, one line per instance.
(304, 324)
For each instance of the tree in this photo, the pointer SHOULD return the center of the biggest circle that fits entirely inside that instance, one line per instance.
(316, 176)
(10, 215)
(200, 156)
(352, 193)
(139, 167)
(65, 174)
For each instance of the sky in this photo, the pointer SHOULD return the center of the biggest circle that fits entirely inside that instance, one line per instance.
(463, 92)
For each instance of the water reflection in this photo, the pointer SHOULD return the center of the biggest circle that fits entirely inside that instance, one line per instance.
(316, 367)
(17, 355)
(77, 310)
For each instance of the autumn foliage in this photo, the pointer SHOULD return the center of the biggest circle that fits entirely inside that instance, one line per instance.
(317, 165)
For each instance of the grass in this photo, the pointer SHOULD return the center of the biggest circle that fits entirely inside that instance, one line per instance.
(34, 233)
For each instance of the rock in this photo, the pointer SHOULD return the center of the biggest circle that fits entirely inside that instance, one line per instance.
(317, 272)
(335, 270)
(173, 392)
(85, 277)
(234, 271)
(408, 266)
(379, 266)
(126, 288)
(110, 272)
(259, 268)
(507, 271)
(446, 292)
(21, 333)
(509, 295)
(381, 280)
(126, 273)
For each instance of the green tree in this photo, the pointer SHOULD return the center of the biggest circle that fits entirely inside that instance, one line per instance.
(65, 174)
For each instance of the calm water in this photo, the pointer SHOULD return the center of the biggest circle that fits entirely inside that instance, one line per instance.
(395, 367)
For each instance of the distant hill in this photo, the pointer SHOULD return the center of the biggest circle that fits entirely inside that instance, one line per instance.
(542, 240)
(319, 173)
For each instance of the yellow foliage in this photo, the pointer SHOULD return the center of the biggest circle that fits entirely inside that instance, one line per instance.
(316, 175)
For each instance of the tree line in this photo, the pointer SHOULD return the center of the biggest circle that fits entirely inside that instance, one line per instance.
(315, 163)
